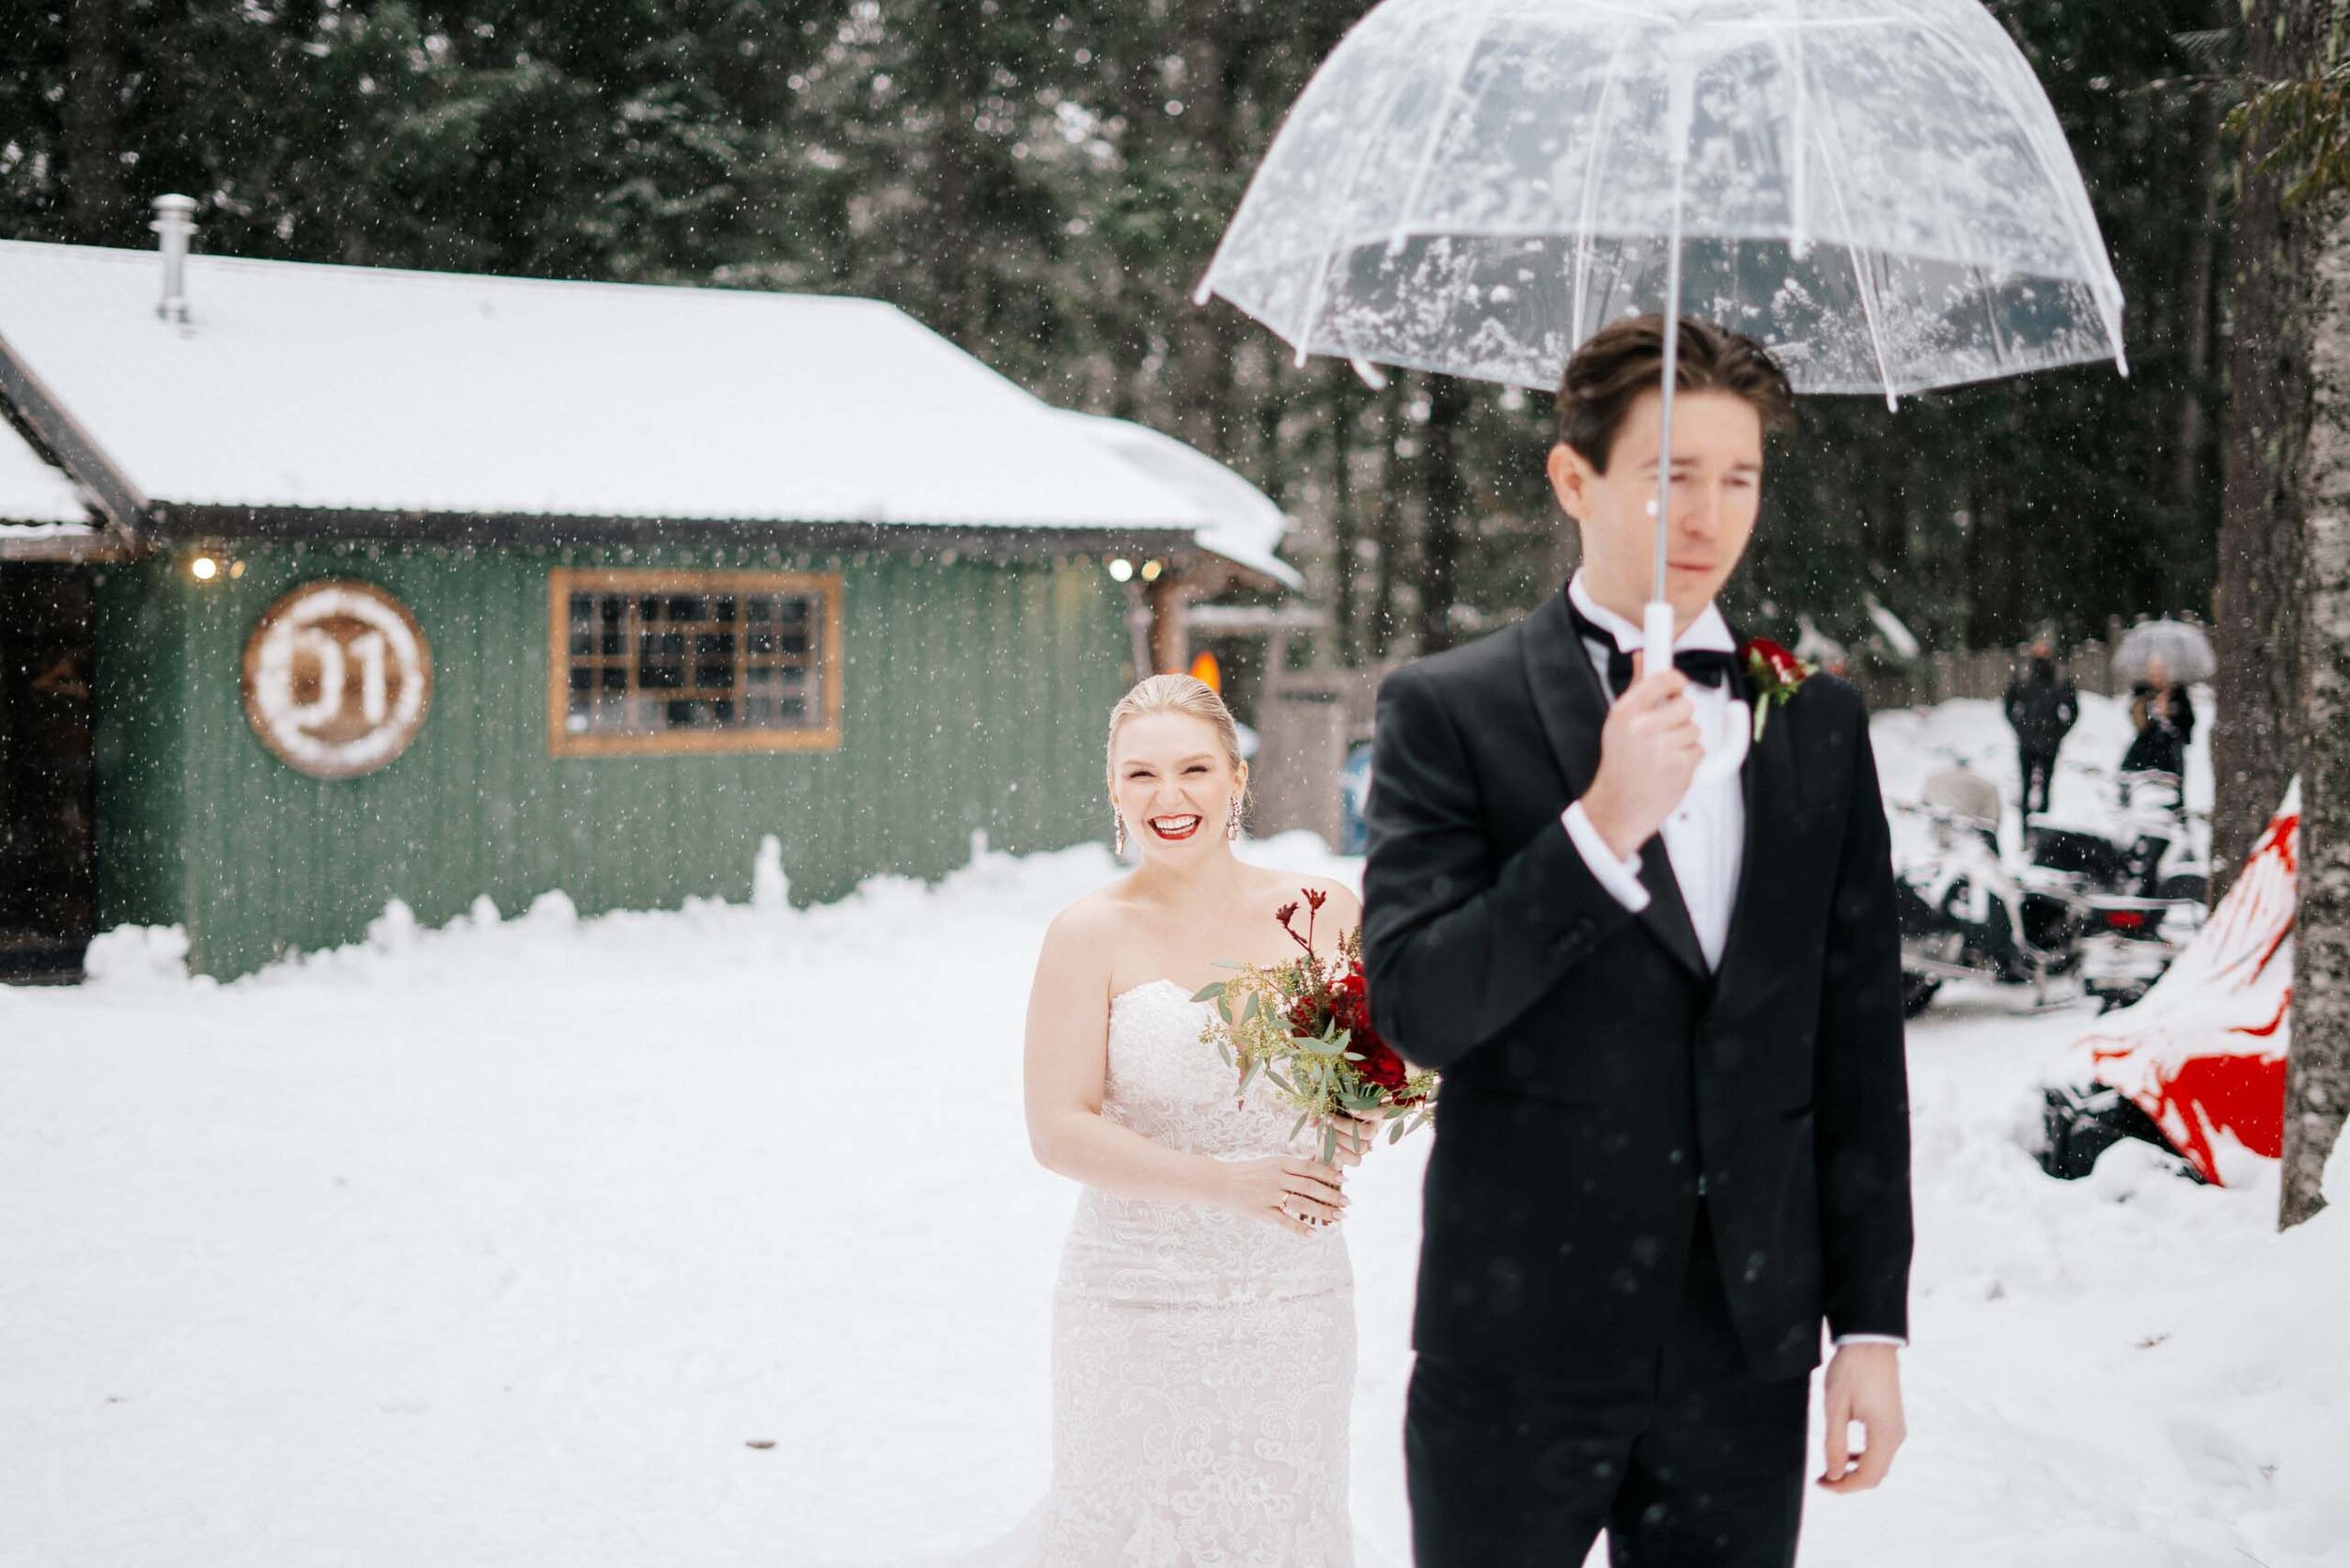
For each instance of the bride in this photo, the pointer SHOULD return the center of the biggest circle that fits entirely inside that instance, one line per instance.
(1203, 1328)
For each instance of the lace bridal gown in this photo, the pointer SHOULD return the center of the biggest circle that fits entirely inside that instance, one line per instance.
(1203, 1362)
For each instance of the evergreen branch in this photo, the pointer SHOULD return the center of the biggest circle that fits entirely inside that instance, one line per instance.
(2304, 126)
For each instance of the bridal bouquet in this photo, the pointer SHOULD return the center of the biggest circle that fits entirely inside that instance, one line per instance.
(1305, 1026)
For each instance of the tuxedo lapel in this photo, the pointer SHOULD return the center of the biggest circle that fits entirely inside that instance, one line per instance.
(1667, 913)
(1567, 696)
(1573, 709)
(1769, 783)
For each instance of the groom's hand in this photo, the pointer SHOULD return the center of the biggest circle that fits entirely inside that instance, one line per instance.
(1864, 1385)
(1649, 751)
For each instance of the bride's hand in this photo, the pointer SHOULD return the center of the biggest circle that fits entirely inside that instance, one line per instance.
(1357, 1133)
(1288, 1190)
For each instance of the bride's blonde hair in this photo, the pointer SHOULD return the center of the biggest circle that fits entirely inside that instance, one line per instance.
(1174, 694)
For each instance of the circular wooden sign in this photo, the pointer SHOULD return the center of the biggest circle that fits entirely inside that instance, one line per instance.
(337, 677)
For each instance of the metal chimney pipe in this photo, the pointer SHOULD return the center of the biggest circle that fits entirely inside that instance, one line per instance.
(175, 221)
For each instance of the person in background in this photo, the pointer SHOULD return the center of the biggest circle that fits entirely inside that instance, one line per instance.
(2166, 723)
(2042, 706)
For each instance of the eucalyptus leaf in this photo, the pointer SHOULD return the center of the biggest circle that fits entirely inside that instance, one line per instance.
(1210, 993)
(1299, 1125)
(1226, 964)
(1394, 1133)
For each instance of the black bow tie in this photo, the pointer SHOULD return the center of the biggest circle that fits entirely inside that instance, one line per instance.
(1707, 666)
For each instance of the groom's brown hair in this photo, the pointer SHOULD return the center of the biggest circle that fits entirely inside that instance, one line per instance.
(1626, 358)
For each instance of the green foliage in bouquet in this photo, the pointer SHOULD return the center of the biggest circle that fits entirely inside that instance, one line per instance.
(1305, 1027)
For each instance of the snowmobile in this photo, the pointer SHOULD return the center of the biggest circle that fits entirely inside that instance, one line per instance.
(2141, 883)
(2199, 1065)
(1965, 914)
(2080, 1122)
(2147, 850)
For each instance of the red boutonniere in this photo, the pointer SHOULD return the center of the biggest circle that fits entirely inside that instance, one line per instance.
(1776, 674)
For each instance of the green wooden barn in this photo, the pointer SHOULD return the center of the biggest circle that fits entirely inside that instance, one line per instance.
(426, 587)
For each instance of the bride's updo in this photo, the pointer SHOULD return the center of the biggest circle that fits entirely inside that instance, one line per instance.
(1176, 693)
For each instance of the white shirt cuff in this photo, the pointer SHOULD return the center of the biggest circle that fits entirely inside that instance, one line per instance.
(1619, 877)
(1893, 1340)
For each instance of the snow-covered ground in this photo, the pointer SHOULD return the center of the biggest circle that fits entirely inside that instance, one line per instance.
(501, 1244)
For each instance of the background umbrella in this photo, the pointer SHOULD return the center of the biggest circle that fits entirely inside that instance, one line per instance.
(1877, 189)
(2182, 646)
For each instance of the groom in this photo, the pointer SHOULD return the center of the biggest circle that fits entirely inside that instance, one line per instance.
(1674, 1133)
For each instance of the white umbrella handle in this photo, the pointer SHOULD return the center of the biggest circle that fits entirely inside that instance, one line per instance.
(1726, 740)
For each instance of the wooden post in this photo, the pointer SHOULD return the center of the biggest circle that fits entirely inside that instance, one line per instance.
(1169, 640)
(1140, 631)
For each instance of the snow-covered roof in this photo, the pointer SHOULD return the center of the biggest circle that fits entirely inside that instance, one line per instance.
(34, 494)
(371, 390)
(42, 517)
(1247, 526)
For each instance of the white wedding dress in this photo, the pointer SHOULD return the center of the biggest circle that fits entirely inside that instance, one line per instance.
(1203, 1362)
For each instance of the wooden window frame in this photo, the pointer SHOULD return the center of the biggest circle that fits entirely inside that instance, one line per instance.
(564, 580)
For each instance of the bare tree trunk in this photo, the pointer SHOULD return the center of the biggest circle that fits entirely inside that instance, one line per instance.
(1206, 337)
(950, 250)
(93, 138)
(1343, 526)
(2254, 603)
(1445, 502)
(2195, 306)
(1388, 525)
(2317, 1080)
(1986, 568)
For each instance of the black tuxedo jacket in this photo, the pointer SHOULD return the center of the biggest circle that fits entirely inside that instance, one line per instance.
(1597, 1077)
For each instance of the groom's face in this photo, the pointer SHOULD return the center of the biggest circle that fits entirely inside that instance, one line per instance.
(1716, 494)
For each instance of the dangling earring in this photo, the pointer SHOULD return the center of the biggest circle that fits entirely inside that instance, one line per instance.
(1118, 839)
(1232, 822)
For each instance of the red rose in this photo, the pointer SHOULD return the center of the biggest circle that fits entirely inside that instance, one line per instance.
(1380, 1064)
(1350, 1002)
(1785, 668)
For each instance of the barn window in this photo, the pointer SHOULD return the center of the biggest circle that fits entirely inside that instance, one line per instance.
(693, 661)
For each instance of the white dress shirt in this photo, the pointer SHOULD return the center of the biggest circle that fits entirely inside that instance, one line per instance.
(1705, 835)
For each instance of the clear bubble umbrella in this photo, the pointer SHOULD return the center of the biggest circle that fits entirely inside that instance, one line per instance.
(2184, 647)
(1877, 189)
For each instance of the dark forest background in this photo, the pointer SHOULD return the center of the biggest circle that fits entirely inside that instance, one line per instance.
(1044, 183)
